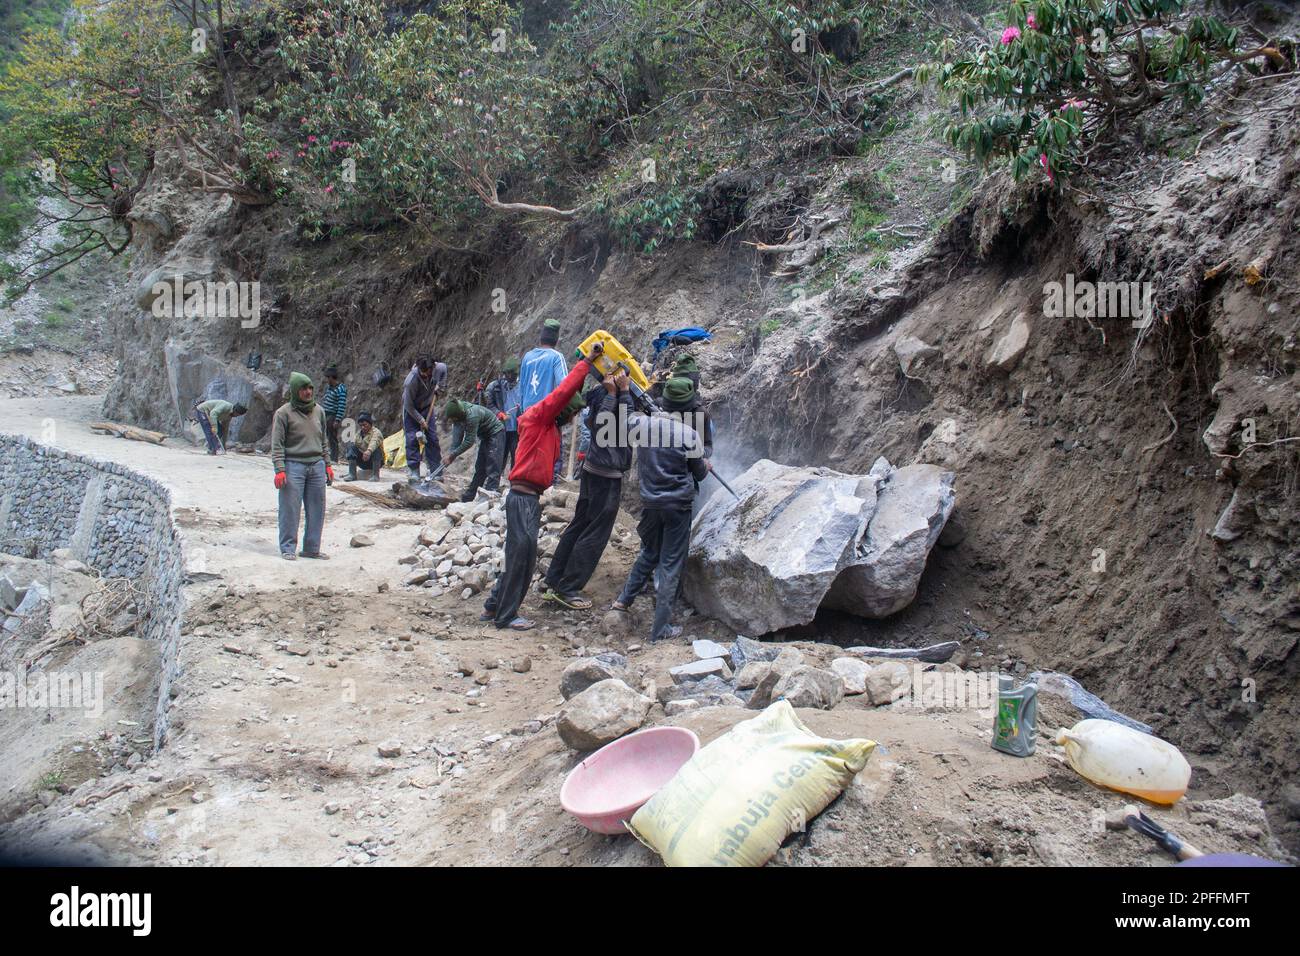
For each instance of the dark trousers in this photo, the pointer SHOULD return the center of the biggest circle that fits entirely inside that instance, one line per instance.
(432, 453)
(332, 430)
(488, 465)
(508, 456)
(523, 519)
(665, 538)
(584, 540)
(353, 457)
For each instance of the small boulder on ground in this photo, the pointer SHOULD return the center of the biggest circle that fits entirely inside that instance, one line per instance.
(600, 714)
(853, 672)
(696, 670)
(888, 682)
(362, 541)
(810, 687)
(583, 673)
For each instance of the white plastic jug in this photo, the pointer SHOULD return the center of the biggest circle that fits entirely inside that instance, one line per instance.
(1123, 759)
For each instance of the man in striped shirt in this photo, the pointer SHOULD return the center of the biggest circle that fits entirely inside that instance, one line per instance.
(335, 404)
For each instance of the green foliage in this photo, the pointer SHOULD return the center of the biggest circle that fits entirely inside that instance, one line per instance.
(1066, 71)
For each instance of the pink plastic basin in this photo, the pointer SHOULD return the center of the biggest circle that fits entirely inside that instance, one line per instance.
(612, 784)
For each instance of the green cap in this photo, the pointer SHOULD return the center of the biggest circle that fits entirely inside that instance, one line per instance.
(576, 404)
(510, 365)
(685, 363)
(679, 390)
(297, 382)
(453, 411)
(552, 324)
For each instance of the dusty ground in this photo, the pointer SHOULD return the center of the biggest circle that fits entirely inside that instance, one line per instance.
(294, 673)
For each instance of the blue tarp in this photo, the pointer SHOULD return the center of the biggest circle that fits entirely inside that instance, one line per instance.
(692, 334)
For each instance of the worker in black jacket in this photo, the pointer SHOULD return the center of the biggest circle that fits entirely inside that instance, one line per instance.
(608, 458)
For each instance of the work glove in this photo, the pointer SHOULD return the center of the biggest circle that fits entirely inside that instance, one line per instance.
(582, 456)
(501, 416)
(280, 479)
(329, 475)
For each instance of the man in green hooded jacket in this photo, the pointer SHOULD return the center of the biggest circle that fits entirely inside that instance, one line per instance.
(302, 470)
(472, 423)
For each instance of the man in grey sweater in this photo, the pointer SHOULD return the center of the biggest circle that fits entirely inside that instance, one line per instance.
(670, 464)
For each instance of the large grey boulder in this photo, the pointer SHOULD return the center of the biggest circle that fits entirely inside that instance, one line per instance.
(600, 714)
(797, 539)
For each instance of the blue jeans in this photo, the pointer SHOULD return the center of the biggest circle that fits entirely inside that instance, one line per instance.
(665, 538)
(413, 432)
(214, 444)
(305, 485)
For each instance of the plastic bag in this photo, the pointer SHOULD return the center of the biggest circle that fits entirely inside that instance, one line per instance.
(395, 450)
(735, 801)
(1123, 759)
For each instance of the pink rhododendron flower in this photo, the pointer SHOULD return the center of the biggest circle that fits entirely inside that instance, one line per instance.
(311, 139)
(1031, 22)
(1010, 34)
(1042, 161)
(328, 190)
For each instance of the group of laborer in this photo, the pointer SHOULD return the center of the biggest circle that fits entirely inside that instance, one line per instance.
(518, 425)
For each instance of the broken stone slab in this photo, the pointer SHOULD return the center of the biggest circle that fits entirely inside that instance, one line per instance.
(437, 529)
(797, 539)
(601, 714)
(705, 649)
(1085, 702)
(911, 509)
(695, 670)
(747, 677)
(852, 672)
(810, 687)
(583, 673)
(930, 654)
(745, 649)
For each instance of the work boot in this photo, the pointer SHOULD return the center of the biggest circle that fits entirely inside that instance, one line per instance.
(352, 471)
(374, 475)
(413, 472)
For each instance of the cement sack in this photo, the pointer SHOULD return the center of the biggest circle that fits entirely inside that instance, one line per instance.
(737, 799)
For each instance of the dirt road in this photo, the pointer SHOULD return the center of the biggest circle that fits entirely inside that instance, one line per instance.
(295, 674)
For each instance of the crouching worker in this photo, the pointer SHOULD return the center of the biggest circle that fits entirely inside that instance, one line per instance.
(533, 473)
(471, 423)
(367, 452)
(670, 465)
(298, 449)
(214, 417)
(605, 461)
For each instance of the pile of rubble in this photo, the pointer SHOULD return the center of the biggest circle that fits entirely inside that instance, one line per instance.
(462, 549)
(606, 697)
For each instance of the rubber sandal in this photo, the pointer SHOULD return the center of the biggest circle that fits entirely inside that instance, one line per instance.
(288, 556)
(487, 616)
(520, 624)
(317, 556)
(615, 606)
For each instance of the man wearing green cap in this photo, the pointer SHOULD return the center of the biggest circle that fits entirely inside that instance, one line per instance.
(472, 423)
(681, 400)
(298, 450)
(502, 396)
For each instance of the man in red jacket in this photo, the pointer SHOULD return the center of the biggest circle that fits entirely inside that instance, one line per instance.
(535, 458)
